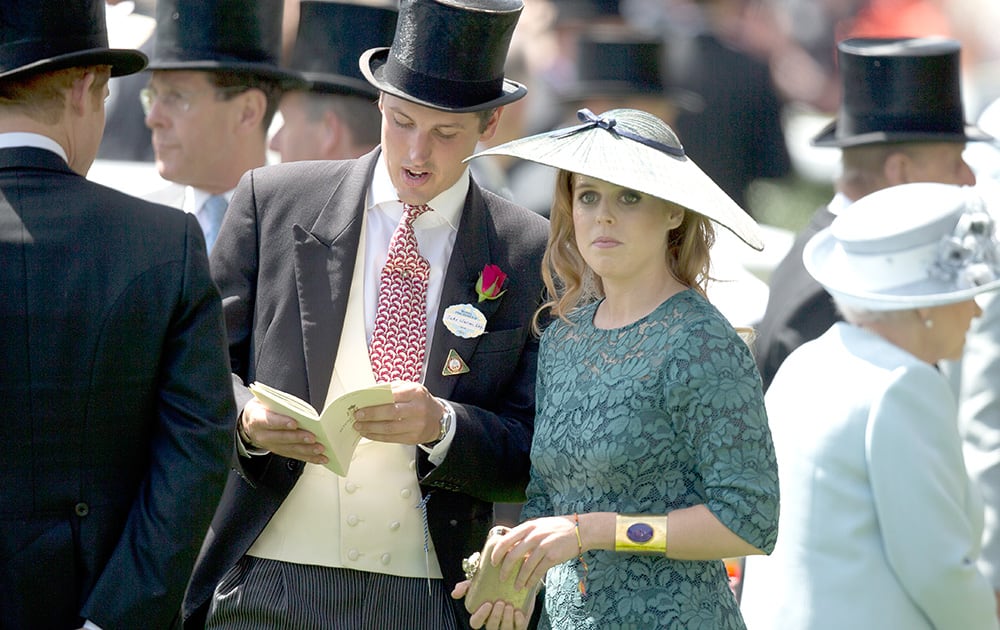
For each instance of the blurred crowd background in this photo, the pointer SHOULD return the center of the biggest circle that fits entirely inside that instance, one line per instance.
(746, 83)
(795, 40)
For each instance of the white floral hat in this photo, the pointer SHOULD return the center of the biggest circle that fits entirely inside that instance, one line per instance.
(908, 246)
(634, 149)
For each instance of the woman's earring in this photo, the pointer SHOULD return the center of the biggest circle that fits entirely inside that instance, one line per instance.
(928, 323)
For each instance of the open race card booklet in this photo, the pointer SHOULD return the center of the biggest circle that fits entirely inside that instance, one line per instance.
(334, 428)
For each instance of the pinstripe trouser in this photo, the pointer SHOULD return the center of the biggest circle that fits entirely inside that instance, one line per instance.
(259, 594)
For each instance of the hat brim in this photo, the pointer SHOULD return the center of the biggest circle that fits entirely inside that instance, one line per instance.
(607, 156)
(123, 61)
(372, 63)
(820, 257)
(287, 78)
(328, 83)
(828, 137)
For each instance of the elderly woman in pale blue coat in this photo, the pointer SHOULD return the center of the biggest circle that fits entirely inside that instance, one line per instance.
(880, 525)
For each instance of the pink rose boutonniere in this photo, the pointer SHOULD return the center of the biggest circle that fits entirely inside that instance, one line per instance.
(490, 283)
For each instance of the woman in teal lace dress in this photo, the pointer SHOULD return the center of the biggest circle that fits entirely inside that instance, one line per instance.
(651, 460)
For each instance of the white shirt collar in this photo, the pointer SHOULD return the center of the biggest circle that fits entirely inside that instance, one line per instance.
(838, 204)
(447, 205)
(13, 139)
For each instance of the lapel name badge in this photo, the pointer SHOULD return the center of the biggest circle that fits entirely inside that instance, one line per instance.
(464, 320)
(454, 365)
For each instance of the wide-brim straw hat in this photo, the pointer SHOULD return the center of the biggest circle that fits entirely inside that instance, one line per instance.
(909, 246)
(636, 150)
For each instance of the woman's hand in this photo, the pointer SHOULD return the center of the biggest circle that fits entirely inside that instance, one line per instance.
(542, 543)
(498, 615)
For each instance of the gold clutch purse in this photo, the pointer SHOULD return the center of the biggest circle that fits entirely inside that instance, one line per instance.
(485, 583)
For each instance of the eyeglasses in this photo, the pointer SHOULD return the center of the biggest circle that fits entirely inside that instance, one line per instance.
(178, 102)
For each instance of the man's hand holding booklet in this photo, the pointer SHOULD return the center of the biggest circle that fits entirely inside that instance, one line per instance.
(334, 428)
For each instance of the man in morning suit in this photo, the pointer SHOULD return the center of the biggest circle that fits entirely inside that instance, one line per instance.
(306, 293)
(117, 418)
(900, 121)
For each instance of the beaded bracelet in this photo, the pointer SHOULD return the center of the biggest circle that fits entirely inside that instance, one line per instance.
(579, 544)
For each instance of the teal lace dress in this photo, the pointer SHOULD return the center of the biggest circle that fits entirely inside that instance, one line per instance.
(662, 414)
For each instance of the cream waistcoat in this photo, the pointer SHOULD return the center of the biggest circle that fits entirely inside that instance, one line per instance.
(369, 520)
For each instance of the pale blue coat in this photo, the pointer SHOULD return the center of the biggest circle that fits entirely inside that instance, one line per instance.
(880, 526)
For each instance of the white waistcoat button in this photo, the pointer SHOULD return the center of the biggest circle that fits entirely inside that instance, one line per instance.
(386, 558)
(405, 493)
(394, 525)
(353, 554)
(352, 520)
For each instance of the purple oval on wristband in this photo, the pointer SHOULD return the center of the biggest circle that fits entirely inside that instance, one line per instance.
(639, 532)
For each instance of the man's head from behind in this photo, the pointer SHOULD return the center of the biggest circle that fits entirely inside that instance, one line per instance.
(438, 100)
(54, 68)
(66, 105)
(872, 167)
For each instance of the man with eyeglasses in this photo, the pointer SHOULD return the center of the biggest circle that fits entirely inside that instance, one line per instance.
(214, 89)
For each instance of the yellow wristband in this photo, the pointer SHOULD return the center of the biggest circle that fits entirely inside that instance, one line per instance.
(641, 533)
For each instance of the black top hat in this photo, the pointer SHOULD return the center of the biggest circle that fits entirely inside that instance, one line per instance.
(586, 10)
(46, 35)
(899, 90)
(220, 35)
(620, 62)
(331, 36)
(448, 54)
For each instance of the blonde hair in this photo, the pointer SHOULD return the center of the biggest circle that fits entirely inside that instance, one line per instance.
(571, 283)
(41, 97)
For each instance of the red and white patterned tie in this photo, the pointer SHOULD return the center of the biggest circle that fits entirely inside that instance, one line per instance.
(400, 336)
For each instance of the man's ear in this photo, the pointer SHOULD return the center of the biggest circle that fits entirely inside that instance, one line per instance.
(81, 97)
(334, 132)
(253, 105)
(491, 125)
(896, 168)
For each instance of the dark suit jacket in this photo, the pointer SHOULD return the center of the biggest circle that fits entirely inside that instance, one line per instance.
(798, 308)
(737, 136)
(283, 262)
(117, 418)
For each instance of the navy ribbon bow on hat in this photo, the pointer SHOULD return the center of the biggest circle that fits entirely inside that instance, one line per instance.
(604, 122)
(609, 124)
